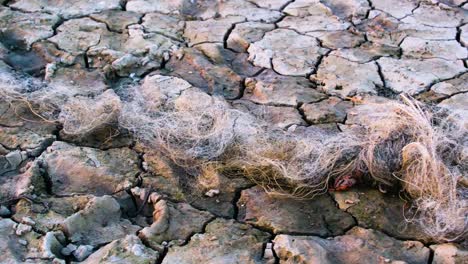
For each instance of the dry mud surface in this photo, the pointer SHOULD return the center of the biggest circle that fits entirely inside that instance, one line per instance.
(298, 65)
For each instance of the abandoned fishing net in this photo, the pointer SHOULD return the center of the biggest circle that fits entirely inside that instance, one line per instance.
(21, 92)
(424, 154)
(404, 145)
(80, 111)
(293, 164)
(83, 115)
(188, 133)
(421, 151)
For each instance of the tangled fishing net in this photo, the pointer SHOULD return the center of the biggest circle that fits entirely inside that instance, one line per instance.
(403, 146)
(23, 92)
(421, 151)
(189, 132)
(83, 115)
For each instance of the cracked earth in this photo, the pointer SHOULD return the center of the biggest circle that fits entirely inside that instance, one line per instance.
(298, 65)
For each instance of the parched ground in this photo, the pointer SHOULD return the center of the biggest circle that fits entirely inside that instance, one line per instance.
(296, 64)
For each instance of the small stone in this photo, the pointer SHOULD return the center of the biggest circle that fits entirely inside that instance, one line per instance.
(82, 252)
(4, 211)
(23, 242)
(68, 250)
(23, 229)
(138, 250)
(144, 165)
(212, 192)
(28, 220)
(268, 254)
(292, 128)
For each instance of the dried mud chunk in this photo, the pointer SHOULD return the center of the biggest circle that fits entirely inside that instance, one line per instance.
(86, 170)
(99, 222)
(318, 216)
(359, 245)
(287, 52)
(224, 241)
